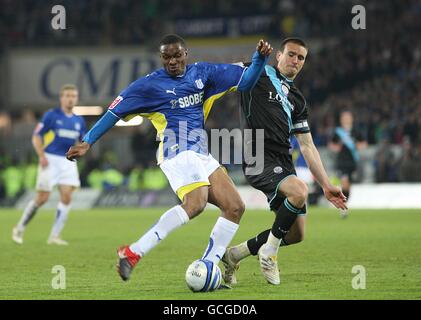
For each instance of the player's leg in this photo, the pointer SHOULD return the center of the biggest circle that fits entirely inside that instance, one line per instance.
(288, 228)
(296, 192)
(188, 179)
(62, 213)
(224, 195)
(235, 254)
(28, 213)
(44, 186)
(66, 176)
(193, 204)
(252, 246)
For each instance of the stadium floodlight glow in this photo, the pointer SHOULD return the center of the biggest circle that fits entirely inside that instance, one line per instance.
(87, 110)
(136, 121)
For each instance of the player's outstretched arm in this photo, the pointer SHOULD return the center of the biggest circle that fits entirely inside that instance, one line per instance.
(253, 72)
(314, 162)
(107, 121)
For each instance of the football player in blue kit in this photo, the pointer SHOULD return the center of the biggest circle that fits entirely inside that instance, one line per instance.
(177, 99)
(58, 130)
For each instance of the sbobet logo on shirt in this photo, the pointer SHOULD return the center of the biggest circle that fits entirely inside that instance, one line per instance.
(191, 100)
(115, 102)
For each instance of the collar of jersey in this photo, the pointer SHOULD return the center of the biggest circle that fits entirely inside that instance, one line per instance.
(63, 113)
(280, 75)
(180, 76)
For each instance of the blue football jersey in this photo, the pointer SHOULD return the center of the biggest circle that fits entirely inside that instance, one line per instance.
(60, 131)
(178, 106)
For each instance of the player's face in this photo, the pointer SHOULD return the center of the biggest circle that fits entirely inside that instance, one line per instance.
(346, 120)
(68, 99)
(173, 58)
(291, 60)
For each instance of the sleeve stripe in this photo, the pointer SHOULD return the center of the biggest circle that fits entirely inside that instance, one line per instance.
(114, 114)
(244, 70)
(302, 124)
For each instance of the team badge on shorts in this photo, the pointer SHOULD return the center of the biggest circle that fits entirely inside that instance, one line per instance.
(195, 177)
(278, 170)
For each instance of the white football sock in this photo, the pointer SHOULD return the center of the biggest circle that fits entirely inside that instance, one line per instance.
(169, 221)
(272, 245)
(221, 236)
(61, 218)
(29, 212)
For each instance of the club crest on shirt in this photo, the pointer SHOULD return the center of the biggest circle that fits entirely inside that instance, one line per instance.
(285, 88)
(77, 126)
(173, 104)
(199, 84)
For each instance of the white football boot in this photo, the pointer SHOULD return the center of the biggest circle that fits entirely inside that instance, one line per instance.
(230, 267)
(269, 266)
(17, 235)
(58, 241)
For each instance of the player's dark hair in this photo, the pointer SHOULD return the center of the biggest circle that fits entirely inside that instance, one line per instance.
(171, 39)
(298, 41)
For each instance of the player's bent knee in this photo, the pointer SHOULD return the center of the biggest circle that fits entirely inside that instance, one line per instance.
(41, 199)
(66, 199)
(299, 194)
(194, 207)
(40, 202)
(235, 211)
(195, 210)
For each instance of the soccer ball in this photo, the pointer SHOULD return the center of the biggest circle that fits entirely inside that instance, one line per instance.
(203, 276)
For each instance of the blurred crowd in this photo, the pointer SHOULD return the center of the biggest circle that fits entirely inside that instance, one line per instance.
(113, 22)
(375, 73)
(18, 176)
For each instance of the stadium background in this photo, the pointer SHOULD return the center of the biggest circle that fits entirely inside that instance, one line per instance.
(107, 44)
(373, 72)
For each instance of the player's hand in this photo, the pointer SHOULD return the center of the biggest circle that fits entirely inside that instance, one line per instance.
(43, 161)
(77, 151)
(335, 196)
(264, 48)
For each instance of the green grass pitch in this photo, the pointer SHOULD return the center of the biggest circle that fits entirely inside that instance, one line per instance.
(386, 242)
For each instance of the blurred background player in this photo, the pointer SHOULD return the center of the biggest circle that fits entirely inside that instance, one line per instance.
(346, 142)
(58, 130)
(177, 99)
(278, 107)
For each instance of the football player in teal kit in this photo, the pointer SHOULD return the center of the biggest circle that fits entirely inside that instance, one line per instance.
(58, 130)
(177, 99)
